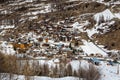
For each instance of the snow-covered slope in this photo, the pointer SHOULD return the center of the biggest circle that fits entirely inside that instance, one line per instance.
(21, 77)
(44, 25)
(91, 48)
(105, 16)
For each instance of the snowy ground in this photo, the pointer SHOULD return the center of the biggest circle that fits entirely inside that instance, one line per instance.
(108, 72)
(91, 48)
(21, 77)
(7, 48)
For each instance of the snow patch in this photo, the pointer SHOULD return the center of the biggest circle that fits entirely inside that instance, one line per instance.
(6, 26)
(117, 15)
(106, 15)
(91, 48)
(6, 48)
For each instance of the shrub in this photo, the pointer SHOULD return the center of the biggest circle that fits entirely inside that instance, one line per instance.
(2, 63)
(92, 73)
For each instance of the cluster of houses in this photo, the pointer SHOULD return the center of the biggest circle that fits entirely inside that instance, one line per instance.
(48, 39)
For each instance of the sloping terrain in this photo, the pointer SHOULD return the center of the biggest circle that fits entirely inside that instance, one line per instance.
(73, 30)
(32, 21)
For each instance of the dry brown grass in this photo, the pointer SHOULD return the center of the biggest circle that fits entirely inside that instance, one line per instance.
(9, 64)
(110, 39)
(116, 8)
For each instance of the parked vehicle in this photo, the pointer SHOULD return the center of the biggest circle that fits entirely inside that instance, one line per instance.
(110, 62)
(95, 61)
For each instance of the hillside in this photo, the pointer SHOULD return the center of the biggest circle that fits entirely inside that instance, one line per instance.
(61, 29)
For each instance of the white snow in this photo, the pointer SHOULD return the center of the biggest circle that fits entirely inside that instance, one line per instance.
(5, 11)
(76, 64)
(117, 15)
(106, 15)
(73, 0)
(56, 61)
(117, 2)
(109, 72)
(6, 26)
(6, 48)
(48, 78)
(31, 36)
(50, 63)
(60, 43)
(91, 48)
(29, 0)
(22, 77)
(44, 9)
(92, 31)
(76, 24)
(33, 17)
(80, 26)
(2, 32)
(103, 26)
